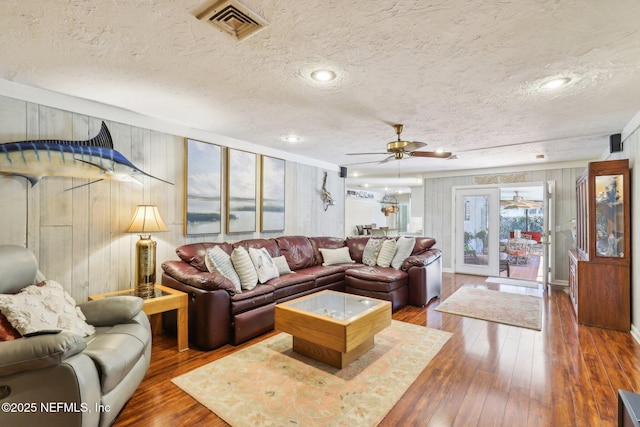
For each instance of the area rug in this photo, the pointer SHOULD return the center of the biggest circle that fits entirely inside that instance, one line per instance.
(494, 306)
(514, 282)
(268, 384)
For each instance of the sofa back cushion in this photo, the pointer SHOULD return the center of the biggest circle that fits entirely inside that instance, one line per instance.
(297, 250)
(269, 244)
(195, 253)
(356, 247)
(325, 243)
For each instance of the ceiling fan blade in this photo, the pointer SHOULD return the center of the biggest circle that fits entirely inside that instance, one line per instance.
(387, 159)
(414, 145)
(440, 155)
(360, 154)
(362, 163)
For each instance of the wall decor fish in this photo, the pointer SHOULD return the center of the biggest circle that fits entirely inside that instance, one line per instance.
(93, 159)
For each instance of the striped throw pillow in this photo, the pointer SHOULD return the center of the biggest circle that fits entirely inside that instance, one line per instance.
(404, 247)
(244, 267)
(387, 251)
(217, 260)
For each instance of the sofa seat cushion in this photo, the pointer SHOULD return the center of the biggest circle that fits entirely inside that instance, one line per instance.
(115, 350)
(291, 284)
(378, 279)
(320, 271)
(250, 299)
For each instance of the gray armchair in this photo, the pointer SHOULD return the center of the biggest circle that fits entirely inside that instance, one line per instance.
(64, 379)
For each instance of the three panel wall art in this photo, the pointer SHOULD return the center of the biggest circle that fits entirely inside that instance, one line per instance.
(253, 190)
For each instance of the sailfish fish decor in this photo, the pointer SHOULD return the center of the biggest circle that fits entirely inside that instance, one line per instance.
(94, 159)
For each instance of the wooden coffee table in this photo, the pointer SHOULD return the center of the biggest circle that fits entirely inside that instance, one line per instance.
(333, 327)
(164, 299)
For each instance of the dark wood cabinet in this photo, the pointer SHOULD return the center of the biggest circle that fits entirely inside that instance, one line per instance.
(599, 268)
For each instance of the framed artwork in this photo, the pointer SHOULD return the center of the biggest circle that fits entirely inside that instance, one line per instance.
(272, 194)
(241, 191)
(202, 213)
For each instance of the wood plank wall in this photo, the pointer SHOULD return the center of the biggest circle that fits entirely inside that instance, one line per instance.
(78, 235)
(438, 212)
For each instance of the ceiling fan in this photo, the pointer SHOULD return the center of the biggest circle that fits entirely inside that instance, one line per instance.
(398, 149)
(519, 203)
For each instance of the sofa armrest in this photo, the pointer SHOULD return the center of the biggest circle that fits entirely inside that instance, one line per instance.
(112, 310)
(188, 274)
(424, 259)
(38, 352)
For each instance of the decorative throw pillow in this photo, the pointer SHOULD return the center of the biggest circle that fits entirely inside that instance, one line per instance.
(404, 247)
(371, 251)
(7, 332)
(265, 267)
(336, 256)
(244, 267)
(36, 308)
(282, 265)
(387, 251)
(217, 260)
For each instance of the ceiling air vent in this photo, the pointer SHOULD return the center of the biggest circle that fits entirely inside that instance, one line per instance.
(234, 18)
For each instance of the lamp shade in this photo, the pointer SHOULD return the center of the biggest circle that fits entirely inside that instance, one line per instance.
(146, 220)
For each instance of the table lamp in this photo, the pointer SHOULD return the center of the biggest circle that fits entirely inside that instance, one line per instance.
(146, 220)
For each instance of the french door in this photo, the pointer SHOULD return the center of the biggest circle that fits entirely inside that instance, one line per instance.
(477, 230)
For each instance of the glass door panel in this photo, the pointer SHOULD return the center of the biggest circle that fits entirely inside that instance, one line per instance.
(477, 230)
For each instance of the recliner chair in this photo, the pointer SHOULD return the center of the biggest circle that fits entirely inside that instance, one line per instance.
(64, 379)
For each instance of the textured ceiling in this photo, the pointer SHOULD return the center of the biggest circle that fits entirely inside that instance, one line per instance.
(460, 75)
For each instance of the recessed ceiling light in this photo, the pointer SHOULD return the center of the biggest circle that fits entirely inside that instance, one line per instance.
(291, 138)
(555, 83)
(323, 75)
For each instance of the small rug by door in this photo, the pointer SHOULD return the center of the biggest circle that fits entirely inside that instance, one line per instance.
(267, 384)
(494, 306)
(514, 282)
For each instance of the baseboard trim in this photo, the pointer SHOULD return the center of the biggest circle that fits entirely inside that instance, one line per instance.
(635, 333)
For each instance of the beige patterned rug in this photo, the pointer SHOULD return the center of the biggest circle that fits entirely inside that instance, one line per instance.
(501, 307)
(268, 384)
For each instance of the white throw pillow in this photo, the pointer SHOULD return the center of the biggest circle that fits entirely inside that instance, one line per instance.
(282, 265)
(371, 251)
(336, 256)
(404, 247)
(387, 251)
(217, 260)
(244, 267)
(265, 267)
(40, 307)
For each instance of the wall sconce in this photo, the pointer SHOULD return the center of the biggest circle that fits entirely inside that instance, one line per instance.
(146, 220)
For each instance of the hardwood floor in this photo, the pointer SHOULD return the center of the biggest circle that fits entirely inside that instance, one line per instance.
(486, 375)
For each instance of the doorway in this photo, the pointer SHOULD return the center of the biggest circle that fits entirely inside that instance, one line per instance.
(487, 221)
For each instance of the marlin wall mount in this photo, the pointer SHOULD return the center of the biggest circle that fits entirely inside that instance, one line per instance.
(93, 159)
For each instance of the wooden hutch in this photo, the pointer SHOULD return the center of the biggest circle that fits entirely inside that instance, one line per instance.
(599, 268)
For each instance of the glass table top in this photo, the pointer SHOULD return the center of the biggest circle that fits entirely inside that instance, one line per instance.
(335, 305)
(156, 293)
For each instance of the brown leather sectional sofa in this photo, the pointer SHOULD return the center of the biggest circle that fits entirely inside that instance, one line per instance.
(218, 315)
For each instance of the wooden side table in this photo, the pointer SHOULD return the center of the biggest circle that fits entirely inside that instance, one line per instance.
(164, 299)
